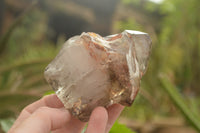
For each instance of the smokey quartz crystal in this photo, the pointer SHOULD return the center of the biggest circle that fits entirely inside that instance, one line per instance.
(92, 71)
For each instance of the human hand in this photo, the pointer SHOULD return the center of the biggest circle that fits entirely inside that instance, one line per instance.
(48, 114)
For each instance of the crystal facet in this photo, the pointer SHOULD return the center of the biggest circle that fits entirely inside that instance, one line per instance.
(92, 71)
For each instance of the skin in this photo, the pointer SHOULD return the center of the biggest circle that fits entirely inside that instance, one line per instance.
(48, 114)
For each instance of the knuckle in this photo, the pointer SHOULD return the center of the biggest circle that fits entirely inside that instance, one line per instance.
(45, 97)
(42, 111)
(26, 110)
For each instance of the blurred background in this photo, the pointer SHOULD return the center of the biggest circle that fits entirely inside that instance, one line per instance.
(32, 32)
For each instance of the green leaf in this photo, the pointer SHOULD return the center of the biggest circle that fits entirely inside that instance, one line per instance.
(180, 102)
(49, 92)
(120, 128)
(84, 129)
(6, 124)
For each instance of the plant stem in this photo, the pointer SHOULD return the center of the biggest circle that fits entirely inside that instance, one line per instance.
(179, 102)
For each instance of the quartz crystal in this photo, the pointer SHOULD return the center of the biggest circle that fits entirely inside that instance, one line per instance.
(92, 71)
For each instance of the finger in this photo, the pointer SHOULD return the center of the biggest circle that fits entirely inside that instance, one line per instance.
(44, 120)
(75, 126)
(49, 101)
(23, 115)
(113, 113)
(98, 121)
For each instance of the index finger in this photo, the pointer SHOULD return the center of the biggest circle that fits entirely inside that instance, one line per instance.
(51, 101)
(43, 120)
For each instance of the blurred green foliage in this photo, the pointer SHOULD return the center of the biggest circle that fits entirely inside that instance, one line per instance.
(120, 128)
(6, 124)
(175, 53)
(174, 28)
(192, 117)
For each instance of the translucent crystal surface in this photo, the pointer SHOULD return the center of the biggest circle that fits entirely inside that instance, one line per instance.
(92, 71)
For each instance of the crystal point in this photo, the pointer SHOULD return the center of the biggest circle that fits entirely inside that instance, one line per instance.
(92, 71)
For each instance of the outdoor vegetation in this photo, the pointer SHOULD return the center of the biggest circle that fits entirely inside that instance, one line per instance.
(169, 97)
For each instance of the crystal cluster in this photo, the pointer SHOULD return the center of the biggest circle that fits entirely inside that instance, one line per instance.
(92, 71)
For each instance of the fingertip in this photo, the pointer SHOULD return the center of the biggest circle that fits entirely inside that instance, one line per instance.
(114, 110)
(98, 112)
(52, 101)
(98, 120)
(66, 114)
(113, 113)
(116, 107)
